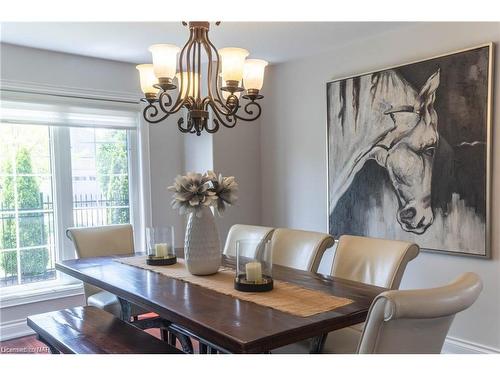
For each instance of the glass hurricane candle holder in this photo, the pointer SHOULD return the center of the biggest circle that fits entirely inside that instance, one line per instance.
(254, 266)
(160, 246)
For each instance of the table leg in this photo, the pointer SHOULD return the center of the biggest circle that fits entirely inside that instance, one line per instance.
(125, 309)
(317, 344)
(203, 348)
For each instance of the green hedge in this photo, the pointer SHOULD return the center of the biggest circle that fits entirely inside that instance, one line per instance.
(33, 262)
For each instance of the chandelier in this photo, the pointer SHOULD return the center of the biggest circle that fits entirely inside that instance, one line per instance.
(174, 81)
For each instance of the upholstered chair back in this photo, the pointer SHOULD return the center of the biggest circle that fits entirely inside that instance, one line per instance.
(416, 321)
(299, 249)
(373, 261)
(251, 234)
(101, 241)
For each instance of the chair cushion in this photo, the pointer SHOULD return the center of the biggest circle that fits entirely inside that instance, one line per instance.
(105, 301)
(342, 341)
(109, 302)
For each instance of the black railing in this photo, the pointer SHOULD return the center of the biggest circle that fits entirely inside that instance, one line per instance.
(36, 233)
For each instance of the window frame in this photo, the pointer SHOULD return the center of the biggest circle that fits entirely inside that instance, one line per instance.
(139, 196)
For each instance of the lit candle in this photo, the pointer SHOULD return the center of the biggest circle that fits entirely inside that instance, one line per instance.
(254, 272)
(161, 250)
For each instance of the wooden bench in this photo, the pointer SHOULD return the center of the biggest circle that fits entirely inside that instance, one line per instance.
(89, 330)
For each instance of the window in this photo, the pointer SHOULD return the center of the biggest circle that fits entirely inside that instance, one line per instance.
(63, 162)
(99, 168)
(26, 205)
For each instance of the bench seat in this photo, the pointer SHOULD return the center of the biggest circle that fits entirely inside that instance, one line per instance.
(89, 330)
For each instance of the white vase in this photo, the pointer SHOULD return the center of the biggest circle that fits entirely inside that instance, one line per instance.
(202, 252)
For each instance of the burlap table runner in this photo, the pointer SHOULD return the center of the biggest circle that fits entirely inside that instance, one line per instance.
(286, 297)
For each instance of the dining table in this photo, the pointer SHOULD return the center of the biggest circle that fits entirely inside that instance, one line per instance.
(220, 321)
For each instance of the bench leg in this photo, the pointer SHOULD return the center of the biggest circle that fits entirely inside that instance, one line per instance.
(52, 349)
(317, 344)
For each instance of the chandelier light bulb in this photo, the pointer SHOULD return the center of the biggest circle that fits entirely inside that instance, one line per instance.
(164, 60)
(253, 74)
(147, 79)
(186, 77)
(232, 61)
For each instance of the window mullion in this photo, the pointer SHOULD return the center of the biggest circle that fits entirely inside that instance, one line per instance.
(63, 190)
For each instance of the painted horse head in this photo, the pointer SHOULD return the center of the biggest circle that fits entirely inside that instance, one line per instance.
(407, 153)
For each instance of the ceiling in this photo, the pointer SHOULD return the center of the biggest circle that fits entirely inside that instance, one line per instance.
(129, 41)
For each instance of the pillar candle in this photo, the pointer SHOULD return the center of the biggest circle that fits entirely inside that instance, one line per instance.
(161, 250)
(254, 271)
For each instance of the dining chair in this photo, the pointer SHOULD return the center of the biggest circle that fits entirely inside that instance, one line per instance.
(411, 321)
(299, 249)
(253, 233)
(102, 241)
(374, 261)
(369, 260)
(416, 321)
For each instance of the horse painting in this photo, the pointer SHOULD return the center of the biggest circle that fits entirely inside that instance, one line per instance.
(384, 131)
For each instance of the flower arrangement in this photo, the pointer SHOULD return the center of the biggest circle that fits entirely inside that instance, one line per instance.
(194, 191)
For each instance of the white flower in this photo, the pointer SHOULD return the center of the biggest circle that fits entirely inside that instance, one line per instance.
(195, 191)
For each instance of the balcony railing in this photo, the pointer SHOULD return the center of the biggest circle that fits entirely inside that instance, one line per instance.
(27, 240)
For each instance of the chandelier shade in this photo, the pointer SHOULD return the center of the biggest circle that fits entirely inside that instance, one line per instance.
(232, 62)
(147, 79)
(176, 80)
(253, 74)
(164, 60)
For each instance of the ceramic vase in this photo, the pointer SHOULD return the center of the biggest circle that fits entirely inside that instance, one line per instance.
(202, 251)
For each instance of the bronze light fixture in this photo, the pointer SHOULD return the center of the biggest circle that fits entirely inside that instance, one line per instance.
(178, 73)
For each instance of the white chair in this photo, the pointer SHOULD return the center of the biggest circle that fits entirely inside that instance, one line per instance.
(368, 260)
(416, 321)
(102, 241)
(374, 261)
(412, 321)
(252, 233)
(299, 249)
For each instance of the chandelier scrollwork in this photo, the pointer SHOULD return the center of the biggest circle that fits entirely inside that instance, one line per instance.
(174, 81)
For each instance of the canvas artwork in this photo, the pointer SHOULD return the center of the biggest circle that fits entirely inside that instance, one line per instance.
(408, 153)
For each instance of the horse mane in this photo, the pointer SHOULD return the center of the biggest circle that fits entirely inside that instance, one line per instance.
(356, 122)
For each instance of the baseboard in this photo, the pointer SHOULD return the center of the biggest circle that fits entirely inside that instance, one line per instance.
(14, 329)
(453, 345)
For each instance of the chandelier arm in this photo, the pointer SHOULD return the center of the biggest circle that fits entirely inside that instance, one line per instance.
(250, 111)
(192, 69)
(231, 119)
(188, 128)
(199, 69)
(163, 106)
(208, 48)
(150, 112)
(182, 100)
(214, 128)
(229, 112)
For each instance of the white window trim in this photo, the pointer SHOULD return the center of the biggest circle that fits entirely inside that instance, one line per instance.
(139, 167)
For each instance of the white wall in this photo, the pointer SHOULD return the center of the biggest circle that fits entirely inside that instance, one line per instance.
(96, 76)
(293, 146)
(166, 161)
(236, 152)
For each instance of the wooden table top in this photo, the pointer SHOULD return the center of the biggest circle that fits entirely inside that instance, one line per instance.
(233, 324)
